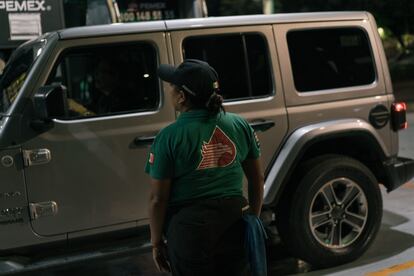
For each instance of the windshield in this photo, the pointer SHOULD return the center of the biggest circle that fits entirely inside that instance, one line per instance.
(16, 71)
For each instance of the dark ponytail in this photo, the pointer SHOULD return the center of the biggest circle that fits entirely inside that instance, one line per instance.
(215, 104)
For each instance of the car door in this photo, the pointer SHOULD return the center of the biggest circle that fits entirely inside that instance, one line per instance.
(92, 174)
(246, 61)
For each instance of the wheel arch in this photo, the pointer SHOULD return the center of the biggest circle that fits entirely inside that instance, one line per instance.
(354, 138)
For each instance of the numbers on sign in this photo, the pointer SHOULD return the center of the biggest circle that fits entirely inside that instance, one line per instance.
(169, 14)
(128, 17)
(156, 15)
(147, 15)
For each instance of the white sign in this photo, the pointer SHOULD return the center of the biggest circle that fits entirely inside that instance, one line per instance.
(24, 26)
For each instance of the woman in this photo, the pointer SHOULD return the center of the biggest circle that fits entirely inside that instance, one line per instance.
(196, 165)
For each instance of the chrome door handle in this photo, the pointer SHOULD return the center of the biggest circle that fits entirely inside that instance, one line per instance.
(144, 140)
(262, 125)
(36, 157)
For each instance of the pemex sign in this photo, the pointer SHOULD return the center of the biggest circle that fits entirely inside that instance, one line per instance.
(24, 6)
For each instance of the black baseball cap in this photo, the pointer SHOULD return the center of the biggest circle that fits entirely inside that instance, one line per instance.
(194, 76)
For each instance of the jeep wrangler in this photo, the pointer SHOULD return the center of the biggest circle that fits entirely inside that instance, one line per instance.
(314, 86)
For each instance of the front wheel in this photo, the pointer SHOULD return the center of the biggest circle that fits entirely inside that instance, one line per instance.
(334, 213)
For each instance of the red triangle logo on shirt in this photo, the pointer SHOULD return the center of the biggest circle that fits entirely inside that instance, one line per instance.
(218, 152)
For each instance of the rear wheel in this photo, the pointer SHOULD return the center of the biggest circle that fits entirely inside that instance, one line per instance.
(334, 213)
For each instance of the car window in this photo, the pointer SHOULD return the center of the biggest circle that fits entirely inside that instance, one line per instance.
(241, 60)
(108, 80)
(330, 58)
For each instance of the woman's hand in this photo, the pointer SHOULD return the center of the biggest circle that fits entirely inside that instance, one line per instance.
(252, 170)
(160, 257)
(158, 203)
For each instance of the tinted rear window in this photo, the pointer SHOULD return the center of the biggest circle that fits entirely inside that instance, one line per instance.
(330, 58)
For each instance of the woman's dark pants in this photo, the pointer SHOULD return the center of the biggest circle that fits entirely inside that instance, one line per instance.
(207, 238)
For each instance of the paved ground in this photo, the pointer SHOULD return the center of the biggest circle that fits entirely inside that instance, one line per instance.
(407, 136)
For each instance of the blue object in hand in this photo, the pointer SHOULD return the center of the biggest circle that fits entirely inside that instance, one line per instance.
(255, 244)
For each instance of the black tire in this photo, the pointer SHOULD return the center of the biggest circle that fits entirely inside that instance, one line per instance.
(335, 241)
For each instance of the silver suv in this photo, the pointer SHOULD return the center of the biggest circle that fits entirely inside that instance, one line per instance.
(80, 107)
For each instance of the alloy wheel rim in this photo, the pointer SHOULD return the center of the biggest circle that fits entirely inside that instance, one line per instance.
(338, 213)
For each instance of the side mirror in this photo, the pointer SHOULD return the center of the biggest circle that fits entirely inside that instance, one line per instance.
(51, 102)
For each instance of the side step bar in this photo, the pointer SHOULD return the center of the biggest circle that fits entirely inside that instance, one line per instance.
(124, 248)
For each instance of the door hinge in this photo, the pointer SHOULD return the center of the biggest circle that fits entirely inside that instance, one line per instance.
(36, 157)
(43, 209)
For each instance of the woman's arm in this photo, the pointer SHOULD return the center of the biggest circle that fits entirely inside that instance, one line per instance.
(158, 202)
(252, 170)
